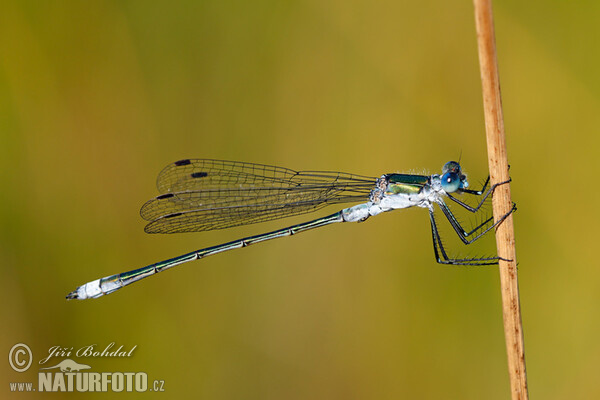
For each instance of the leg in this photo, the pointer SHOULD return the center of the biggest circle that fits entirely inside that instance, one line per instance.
(480, 192)
(437, 243)
(462, 234)
(477, 193)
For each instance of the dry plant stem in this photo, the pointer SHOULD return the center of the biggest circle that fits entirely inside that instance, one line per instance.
(496, 144)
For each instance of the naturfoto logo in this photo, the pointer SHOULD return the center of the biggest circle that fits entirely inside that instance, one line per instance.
(70, 379)
(68, 375)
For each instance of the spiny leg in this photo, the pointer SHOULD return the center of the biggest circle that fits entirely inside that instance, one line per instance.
(477, 193)
(480, 191)
(437, 243)
(462, 234)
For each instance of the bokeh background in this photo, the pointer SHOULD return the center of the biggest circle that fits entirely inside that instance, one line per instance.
(97, 97)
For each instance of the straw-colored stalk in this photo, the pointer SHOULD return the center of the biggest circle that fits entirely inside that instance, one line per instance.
(502, 203)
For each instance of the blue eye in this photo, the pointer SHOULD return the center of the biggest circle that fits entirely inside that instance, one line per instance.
(450, 182)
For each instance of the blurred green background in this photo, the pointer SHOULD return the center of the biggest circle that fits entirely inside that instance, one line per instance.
(97, 97)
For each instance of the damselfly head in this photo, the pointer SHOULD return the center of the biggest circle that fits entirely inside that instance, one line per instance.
(453, 178)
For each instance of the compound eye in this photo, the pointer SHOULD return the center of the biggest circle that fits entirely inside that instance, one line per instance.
(450, 182)
(451, 166)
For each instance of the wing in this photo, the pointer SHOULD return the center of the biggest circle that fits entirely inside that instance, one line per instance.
(201, 195)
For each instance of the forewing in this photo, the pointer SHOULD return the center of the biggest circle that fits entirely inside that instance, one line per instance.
(185, 175)
(202, 195)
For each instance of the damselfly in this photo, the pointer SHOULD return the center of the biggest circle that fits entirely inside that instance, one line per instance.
(202, 195)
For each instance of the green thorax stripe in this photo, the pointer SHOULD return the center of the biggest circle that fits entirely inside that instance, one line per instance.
(404, 183)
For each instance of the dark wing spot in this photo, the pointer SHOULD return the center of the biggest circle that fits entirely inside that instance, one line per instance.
(199, 174)
(165, 196)
(173, 215)
(182, 162)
